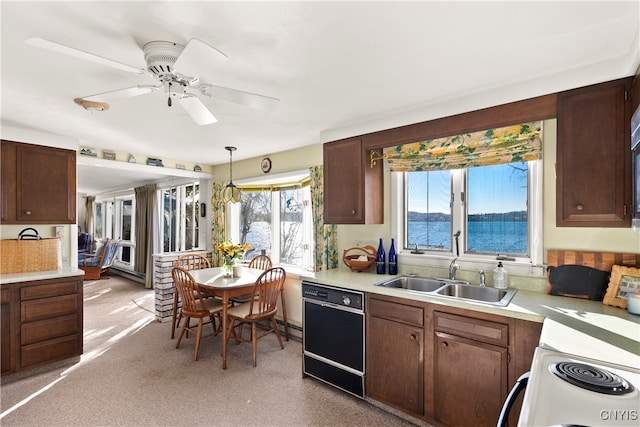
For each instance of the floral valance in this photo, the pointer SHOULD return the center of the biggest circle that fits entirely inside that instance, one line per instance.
(516, 143)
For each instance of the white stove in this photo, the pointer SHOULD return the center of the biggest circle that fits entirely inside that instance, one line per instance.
(564, 389)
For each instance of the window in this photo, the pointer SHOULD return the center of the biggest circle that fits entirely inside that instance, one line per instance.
(275, 219)
(114, 219)
(494, 208)
(180, 217)
(126, 227)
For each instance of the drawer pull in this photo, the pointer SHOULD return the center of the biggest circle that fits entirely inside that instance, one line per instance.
(444, 344)
(27, 212)
(580, 207)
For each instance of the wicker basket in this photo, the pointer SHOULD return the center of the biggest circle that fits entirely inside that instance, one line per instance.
(351, 255)
(25, 256)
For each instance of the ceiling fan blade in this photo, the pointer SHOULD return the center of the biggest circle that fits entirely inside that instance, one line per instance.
(81, 54)
(197, 110)
(196, 56)
(123, 93)
(249, 99)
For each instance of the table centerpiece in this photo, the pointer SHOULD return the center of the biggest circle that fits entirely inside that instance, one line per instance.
(230, 253)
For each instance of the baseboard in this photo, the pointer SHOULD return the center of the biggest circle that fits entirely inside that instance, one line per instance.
(131, 275)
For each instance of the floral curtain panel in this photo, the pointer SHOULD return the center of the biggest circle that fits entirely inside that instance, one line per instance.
(218, 209)
(516, 143)
(325, 236)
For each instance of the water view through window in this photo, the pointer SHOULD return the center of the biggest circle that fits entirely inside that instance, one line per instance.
(496, 209)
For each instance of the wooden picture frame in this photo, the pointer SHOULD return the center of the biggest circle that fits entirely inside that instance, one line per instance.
(623, 280)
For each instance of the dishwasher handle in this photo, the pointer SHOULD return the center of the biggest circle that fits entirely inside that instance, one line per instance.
(520, 385)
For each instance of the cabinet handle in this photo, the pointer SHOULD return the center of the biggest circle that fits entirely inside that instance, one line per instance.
(579, 207)
(414, 336)
(444, 344)
(27, 212)
(353, 211)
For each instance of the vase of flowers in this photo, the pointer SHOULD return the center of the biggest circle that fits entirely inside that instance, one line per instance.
(230, 253)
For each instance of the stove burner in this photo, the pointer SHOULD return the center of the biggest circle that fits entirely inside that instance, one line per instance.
(591, 378)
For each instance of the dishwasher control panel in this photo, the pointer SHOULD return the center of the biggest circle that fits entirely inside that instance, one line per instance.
(333, 295)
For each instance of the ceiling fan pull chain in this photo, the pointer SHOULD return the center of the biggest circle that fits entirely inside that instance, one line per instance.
(169, 99)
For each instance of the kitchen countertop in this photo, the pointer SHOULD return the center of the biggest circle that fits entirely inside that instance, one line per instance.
(570, 325)
(40, 275)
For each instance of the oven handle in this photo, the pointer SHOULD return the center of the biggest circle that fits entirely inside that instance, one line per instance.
(520, 385)
(334, 306)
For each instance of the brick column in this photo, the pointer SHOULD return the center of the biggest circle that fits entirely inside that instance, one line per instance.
(163, 285)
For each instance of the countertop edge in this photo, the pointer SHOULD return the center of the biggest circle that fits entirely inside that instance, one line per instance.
(570, 325)
(39, 275)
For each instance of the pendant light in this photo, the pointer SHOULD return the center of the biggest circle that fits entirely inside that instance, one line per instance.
(231, 193)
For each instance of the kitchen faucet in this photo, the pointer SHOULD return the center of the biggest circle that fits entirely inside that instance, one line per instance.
(482, 278)
(453, 267)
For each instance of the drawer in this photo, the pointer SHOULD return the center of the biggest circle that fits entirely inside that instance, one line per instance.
(397, 312)
(46, 308)
(50, 351)
(49, 290)
(469, 327)
(43, 330)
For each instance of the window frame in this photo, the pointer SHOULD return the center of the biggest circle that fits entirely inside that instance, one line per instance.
(471, 261)
(233, 215)
(180, 213)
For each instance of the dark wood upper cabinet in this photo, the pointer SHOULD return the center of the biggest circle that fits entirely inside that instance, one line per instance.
(38, 184)
(353, 190)
(593, 184)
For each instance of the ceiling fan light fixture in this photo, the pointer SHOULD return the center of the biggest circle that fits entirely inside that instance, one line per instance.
(231, 193)
(91, 105)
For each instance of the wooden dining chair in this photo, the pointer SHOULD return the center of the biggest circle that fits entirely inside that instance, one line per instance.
(260, 262)
(187, 262)
(195, 306)
(263, 307)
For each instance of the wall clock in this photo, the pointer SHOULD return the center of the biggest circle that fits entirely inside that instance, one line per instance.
(265, 165)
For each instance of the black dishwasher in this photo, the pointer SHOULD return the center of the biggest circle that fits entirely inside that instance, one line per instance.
(333, 336)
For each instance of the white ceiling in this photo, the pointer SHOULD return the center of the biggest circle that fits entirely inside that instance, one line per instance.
(339, 68)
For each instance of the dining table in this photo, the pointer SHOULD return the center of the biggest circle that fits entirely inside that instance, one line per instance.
(214, 282)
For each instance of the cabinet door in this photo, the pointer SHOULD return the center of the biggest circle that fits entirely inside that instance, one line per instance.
(7, 327)
(395, 363)
(46, 185)
(470, 381)
(343, 182)
(8, 182)
(594, 156)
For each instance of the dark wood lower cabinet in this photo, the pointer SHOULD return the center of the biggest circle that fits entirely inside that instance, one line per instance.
(395, 354)
(41, 322)
(445, 365)
(469, 378)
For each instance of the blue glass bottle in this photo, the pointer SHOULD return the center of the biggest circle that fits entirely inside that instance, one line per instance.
(380, 259)
(393, 259)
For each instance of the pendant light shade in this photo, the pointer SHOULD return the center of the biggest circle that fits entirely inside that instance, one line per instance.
(231, 193)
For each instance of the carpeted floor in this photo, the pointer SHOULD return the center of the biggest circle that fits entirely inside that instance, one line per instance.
(131, 374)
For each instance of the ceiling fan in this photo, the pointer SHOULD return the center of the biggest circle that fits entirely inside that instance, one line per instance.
(176, 68)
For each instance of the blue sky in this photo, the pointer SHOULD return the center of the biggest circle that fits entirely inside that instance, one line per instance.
(500, 188)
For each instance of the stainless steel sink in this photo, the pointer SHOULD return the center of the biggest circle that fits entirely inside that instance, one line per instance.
(452, 289)
(421, 284)
(476, 293)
